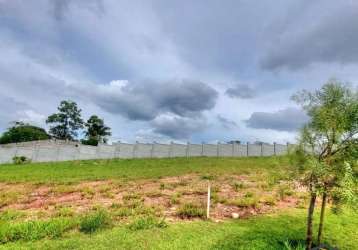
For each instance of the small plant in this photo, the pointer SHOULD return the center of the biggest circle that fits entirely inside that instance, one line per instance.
(237, 185)
(147, 222)
(208, 177)
(34, 230)
(18, 160)
(88, 192)
(174, 199)
(11, 215)
(269, 200)
(94, 221)
(65, 212)
(284, 190)
(190, 210)
(162, 186)
(245, 202)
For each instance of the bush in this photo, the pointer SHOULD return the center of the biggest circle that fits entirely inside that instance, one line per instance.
(147, 223)
(20, 160)
(94, 221)
(190, 210)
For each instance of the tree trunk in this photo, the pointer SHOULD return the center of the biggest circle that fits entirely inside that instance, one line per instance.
(309, 235)
(321, 219)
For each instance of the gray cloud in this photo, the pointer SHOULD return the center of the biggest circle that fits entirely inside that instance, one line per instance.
(226, 123)
(289, 119)
(240, 91)
(13, 111)
(147, 100)
(178, 127)
(329, 38)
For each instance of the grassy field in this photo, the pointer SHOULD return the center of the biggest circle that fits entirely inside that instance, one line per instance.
(132, 169)
(159, 204)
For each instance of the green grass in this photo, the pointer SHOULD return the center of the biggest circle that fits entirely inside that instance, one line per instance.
(132, 169)
(262, 232)
(94, 221)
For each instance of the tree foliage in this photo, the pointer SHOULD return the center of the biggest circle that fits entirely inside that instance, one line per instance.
(66, 123)
(22, 132)
(96, 131)
(327, 152)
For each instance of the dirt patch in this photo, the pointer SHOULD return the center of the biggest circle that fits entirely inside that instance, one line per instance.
(230, 194)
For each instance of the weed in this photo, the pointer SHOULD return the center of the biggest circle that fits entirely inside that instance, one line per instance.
(284, 190)
(18, 160)
(162, 186)
(11, 215)
(65, 212)
(237, 185)
(88, 192)
(94, 221)
(269, 200)
(34, 230)
(190, 210)
(147, 222)
(174, 199)
(244, 202)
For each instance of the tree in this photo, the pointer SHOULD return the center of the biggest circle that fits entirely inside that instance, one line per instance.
(327, 152)
(22, 132)
(67, 122)
(96, 131)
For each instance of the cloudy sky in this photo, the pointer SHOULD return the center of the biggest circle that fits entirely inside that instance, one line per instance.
(174, 70)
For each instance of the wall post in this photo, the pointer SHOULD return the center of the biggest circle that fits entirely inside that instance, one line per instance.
(135, 149)
(170, 149)
(152, 150)
(218, 149)
(187, 149)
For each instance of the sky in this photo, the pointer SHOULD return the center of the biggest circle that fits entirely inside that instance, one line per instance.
(158, 70)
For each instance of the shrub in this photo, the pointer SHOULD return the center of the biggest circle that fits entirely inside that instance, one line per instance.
(190, 210)
(147, 222)
(20, 160)
(94, 221)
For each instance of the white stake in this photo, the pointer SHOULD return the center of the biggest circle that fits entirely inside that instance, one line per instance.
(208, 202)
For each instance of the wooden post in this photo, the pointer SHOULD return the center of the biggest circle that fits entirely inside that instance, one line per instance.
(202, 149)
(233, 150)
(274, 148)
(208, 202)
(217, 149)
(262, 149)
(247, 149)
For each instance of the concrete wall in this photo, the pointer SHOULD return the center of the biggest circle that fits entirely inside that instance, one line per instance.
(46, 151)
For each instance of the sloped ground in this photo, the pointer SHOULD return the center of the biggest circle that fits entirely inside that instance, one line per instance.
(158, 204)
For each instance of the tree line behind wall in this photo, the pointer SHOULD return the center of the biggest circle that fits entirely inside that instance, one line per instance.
(66, 124)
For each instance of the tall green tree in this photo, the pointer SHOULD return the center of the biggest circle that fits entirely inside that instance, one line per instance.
(96, 131)
(66, 123)
(327, 152)
(22, 132)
